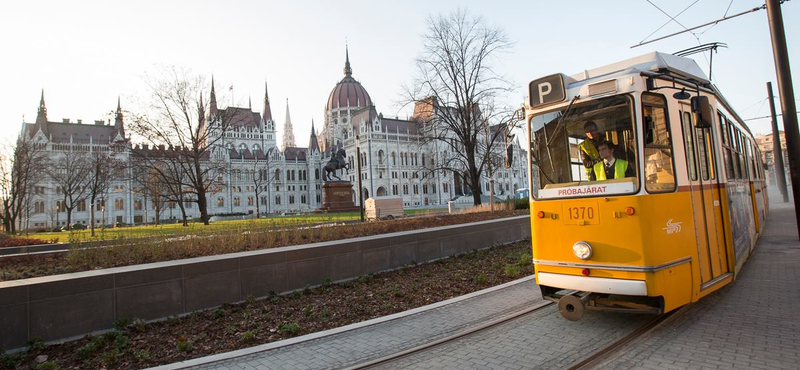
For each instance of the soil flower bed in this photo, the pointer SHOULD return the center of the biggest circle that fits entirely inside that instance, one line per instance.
(125, 252)
(135, 344)
(6, 242)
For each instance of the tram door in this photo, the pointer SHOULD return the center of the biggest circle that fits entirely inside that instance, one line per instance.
(704, 188)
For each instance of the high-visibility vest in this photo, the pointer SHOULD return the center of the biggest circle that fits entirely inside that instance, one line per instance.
(620, 166)
(587, 146)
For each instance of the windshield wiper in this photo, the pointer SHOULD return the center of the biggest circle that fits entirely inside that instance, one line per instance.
(558, 125)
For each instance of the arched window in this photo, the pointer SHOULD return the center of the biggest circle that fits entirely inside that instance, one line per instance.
(423, 159)
(277, 175)
(380, 157)
(394, 159)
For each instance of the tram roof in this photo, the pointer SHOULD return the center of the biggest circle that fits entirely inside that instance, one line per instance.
(655, 61)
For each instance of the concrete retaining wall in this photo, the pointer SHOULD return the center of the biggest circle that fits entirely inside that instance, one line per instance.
(63, 306)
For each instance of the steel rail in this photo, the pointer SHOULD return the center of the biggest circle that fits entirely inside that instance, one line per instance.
(426, 346)
(595, 359)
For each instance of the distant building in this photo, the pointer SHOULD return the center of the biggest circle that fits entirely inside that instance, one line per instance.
(765, 144)
(396, 159)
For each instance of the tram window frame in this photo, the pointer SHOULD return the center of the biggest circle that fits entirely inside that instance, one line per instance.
(669, 147)
(619, 136)
(689, 145)
(724, 134)
(737, 167)
(742, 155)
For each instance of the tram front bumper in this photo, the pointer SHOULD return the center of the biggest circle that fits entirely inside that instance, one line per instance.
(593, 284)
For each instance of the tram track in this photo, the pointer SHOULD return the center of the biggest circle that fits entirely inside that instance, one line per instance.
(589, 362)
(451, 338)
(607, 352)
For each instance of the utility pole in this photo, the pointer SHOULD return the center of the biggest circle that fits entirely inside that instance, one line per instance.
(777, 149)
(786, 92)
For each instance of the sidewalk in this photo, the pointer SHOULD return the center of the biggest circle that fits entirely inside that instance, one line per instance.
(751, 324)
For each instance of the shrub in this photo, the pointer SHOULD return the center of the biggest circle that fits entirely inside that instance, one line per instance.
(512, 270)
(11, 361)
(248, 336)
(87, 350)
(34, 343)
(290, 328)
(184, 345)
(525, 259)
(480, 279)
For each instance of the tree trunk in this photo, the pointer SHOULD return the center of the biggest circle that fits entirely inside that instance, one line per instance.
(92, 218)
(183, 213)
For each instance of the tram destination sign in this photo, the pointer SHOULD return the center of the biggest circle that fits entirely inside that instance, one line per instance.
(546, 90)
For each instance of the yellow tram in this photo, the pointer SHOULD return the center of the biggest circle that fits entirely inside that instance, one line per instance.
(651, 192)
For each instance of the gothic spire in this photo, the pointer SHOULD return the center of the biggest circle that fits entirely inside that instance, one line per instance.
(313, 143)
(267, 114)
(348, 72)
(119, 126)
(213, 98)
(288, 131)
(42, 108)
(41, 118)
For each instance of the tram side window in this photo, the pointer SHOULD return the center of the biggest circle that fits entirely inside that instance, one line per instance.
(658, 154)
(726, 146)
(686, 121)
(702, 152)
(735, 146)
(742, 154)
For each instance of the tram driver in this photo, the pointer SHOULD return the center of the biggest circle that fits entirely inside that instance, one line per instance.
(610, 167)
(588, 148)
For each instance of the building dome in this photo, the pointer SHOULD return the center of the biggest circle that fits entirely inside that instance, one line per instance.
(348, 92)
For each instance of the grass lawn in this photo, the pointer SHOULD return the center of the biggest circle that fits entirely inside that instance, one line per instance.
(177, 229)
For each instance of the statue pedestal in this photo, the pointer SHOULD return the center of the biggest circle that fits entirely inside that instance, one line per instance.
(337, 196)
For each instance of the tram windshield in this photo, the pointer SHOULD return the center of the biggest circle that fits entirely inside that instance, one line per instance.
(588, 149)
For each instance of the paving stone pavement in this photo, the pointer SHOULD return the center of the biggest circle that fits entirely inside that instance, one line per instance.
(751, 324)
(541, 340)
(382, 339)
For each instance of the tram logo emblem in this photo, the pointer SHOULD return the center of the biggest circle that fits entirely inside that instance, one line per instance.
(672, 227)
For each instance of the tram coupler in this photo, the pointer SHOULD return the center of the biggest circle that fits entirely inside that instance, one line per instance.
(573, 306)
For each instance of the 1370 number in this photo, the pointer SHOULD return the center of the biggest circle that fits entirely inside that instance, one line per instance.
(581, 213)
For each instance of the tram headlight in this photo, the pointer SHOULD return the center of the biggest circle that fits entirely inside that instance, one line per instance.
(582, 250)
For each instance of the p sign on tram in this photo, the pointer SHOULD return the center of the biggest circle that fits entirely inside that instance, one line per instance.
(546, 90)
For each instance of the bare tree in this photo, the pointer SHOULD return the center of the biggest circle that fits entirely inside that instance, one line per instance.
(262, 179)
(104, 168)
(183, 116)
(19, 171)
(71, 173)
(456, 91)
(160, 175)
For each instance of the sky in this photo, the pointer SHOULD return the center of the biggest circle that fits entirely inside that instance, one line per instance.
(86, 54)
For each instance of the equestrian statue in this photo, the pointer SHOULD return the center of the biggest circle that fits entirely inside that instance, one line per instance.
(337, 162)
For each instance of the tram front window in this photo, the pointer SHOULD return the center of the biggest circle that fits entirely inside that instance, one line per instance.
(586, 150)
